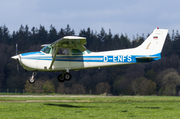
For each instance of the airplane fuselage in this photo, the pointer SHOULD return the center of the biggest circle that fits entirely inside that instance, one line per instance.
(39, 61)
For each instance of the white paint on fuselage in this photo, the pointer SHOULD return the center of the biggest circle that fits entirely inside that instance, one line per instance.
(84, 61)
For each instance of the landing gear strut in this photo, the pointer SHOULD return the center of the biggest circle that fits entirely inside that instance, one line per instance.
(66, 76)
(32, 78)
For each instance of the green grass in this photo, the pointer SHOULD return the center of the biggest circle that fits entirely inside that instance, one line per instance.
(138, 107)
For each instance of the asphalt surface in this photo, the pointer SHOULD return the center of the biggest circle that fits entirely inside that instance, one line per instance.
(25, 101)
(55, 96)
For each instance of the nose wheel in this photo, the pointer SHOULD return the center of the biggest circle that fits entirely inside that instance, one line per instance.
(64, 77)
(32, 78)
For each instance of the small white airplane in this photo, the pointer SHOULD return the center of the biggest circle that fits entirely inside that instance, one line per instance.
(69, 53)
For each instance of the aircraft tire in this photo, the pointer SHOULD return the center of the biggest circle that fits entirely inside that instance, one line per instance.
(60, 78)
(67, 76)
(31, 80)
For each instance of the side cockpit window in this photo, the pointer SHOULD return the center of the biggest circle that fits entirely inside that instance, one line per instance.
(63, 51)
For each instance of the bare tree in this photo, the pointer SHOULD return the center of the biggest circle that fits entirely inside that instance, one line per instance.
(160, 76)
(49, 87)
(38, 87)
(102, 88)
(77, 89)
(151, 87)
(29, 88)
(143, 86)
(170, 81)
(135, 86)
(61, 88)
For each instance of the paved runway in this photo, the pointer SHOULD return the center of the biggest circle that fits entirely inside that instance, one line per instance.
(25, 101)
(55, 96)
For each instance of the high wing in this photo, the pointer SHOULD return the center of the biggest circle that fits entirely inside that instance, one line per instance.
(68, 42)
(71, 42)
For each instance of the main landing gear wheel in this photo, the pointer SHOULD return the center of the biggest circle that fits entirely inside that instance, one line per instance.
(67, 76)
(60, 78)
(64, 77)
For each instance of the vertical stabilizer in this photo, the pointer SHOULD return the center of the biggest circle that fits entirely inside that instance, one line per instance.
(154, 43)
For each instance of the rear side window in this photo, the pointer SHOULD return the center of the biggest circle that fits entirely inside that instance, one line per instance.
(76, 52)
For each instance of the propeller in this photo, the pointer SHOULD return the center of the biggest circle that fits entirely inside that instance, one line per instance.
(17, 59)
(16, 49)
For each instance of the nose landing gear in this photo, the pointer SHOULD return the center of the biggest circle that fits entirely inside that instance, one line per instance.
(32, 78)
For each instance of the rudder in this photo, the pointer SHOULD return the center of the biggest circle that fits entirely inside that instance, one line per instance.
(154, 43)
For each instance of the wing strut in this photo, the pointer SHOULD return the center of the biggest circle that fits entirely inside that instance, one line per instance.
(54, 57)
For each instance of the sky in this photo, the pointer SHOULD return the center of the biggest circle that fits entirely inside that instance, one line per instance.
(129, 17)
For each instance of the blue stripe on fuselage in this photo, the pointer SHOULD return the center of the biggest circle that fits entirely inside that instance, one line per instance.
(105, 58)
(32, 53)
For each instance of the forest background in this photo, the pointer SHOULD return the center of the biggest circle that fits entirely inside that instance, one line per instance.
(155, 78)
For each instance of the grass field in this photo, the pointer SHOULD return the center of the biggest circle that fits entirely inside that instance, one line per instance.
(84, 107)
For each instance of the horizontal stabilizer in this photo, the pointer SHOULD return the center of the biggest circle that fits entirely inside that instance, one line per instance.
(151, 57)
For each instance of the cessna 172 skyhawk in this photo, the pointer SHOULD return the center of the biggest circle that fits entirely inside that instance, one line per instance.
(69, 53)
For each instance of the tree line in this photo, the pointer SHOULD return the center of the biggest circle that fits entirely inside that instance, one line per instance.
(159, 77)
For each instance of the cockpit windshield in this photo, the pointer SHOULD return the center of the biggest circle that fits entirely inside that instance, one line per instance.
(47, 49)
